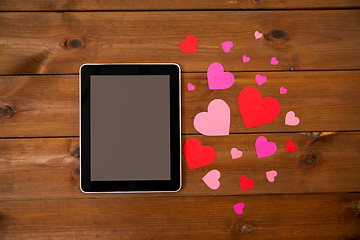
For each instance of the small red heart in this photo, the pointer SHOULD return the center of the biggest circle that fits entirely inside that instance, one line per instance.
(246, 183)
(290, 146)
(197, 155)
(255, 110)
(189, 45)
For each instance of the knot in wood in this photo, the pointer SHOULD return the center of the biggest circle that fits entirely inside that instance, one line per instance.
(73, 43)
(76, 171)
(7, 111)
(245, 228)
(278, 34)
(75, 152)
(310, 160)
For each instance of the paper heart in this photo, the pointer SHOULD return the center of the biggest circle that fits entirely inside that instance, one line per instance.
(227, 46)
(264, 148)
(189, 45)
(190, 87)
(283, 90)
(270, 175)
(246, 183)
(197, 155)
(239, 208)
(211, 179)
(217, 78)
(291, 120)
(260, 80)
(290, 146)
(246, 59)
(255, 110)
(274, 61)
(258, 35)
(236, 153)
(214, 122)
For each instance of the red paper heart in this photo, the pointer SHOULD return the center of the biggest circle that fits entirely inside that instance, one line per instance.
(255, 110)
(290, 146)
(197, 155)
(189, 45)
(246, 183)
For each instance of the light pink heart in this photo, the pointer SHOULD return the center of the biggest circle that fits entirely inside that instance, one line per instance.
(236, 153)
(227, 46)
(260, 80)
(270, 175)
(291, 120)
(217, 78)
(214, 122)
(246, 59)
(239, 208)
(264, 148)
(190, 87)
(283, 90)
(258, 35)
(274, 61)
(211, 179)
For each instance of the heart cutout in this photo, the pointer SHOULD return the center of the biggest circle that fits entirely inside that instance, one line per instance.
(190, 87)
(258, 35)
(197, 155)
(290, 119)
(214, 122)
(236, 153)
(246, 183)
(274, 61)
(255, 110)
(260, 80)
(189, 45)
(227, 46)
(246, 59)
(270, 175)
(290, 146)
(239, 208)
(283, 90)
(264, 148)
(217, 78)
(211, 179)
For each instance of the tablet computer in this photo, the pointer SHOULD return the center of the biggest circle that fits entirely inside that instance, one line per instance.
(130, 128)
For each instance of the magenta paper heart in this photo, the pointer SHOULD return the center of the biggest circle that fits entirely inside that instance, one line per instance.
(227, 46)
(246, 59)
(264, 148)
(274, 61)
(283, 90)
(190, 87)
(211, 179)
(217, 78)
(260, 80)
(214, 122)
(239, 208)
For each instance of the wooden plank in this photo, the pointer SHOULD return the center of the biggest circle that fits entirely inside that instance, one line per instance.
(328, 216)
(84, 5)
(326, 162)
(48, 42)
(324, 101)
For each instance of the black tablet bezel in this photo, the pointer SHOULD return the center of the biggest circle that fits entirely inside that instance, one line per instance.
(172, 185)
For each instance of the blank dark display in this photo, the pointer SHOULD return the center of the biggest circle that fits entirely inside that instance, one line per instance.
(130, 127)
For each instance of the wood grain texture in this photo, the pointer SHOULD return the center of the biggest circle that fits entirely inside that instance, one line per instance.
(57, 43)
(324, 162)
(84, 5)
(329, 216)
(324, 101)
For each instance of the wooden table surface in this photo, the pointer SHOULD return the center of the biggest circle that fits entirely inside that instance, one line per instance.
(316, 194)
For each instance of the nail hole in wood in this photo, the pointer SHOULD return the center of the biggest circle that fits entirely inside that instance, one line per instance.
(7, 111)
(292, 68)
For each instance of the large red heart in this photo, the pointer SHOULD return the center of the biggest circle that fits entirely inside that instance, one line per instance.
(255, 110)
(189, 45)
(246, 183)
(197, 155)
(290, 146)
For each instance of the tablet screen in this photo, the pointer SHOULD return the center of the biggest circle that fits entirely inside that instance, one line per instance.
(130, 127)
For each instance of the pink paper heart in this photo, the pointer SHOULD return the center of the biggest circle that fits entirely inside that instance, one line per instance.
(270, 175)
(264, 148)
(260, 80)
(227, 46)
(236, 153)
(291, 120)
(258, 35)
(211, 179)
(217, 78)
(283, 90)
(239, 208)
(214, 122)
(274, 61)
(190, 87)
(246, 59)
